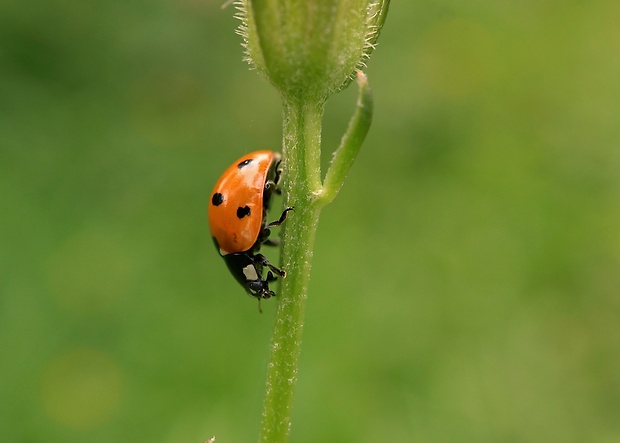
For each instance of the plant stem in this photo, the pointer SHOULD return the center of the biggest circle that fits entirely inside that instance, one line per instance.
(302, 186)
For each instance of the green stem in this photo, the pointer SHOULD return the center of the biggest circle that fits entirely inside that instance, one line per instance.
(302, 186)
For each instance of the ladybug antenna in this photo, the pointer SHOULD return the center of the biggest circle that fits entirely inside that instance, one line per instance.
(260, 310)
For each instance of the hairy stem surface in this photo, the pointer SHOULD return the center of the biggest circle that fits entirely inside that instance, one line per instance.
(302, 138)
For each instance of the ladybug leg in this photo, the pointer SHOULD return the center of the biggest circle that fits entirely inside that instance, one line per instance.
(279, 221)
(269, 184)
(263, 238)
(276, 179)
(260, 258)
(272, 242)
(271, 277)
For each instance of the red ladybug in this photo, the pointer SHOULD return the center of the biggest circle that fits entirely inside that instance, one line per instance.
(237, 219)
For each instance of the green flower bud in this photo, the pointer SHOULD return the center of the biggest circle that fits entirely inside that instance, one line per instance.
(310, 49)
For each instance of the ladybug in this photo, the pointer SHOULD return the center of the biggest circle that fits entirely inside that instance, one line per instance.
(238, 219)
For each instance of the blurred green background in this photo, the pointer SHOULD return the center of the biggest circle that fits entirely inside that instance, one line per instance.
(466, 280)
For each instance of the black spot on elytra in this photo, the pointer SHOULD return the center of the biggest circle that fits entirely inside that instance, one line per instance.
(244, 163)
(243, 211)
(217, 199)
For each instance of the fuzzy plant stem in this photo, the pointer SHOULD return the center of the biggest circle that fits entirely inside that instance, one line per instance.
(302, 138)
(303, 190)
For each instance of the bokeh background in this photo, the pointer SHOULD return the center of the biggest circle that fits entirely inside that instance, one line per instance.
(466, 280)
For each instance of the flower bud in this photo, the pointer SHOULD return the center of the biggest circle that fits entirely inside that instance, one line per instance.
(309, 49)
